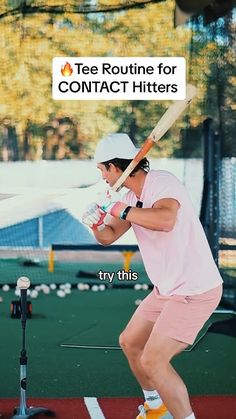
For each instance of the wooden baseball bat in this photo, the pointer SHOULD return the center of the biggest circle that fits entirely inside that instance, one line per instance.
(163, 125)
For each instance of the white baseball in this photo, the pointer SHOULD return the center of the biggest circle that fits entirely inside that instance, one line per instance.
(23, 283)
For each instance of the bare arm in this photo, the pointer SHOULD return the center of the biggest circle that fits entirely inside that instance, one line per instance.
(161, 217)
(114, 229)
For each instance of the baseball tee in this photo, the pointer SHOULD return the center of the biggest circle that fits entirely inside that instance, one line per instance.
(179, 261)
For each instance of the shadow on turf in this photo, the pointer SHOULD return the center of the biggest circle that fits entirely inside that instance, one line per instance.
(225, 327)
(75, 341)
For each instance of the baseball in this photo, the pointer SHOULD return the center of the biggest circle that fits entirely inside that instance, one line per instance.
(23, 283)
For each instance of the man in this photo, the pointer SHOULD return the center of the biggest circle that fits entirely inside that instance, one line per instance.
(178, 261)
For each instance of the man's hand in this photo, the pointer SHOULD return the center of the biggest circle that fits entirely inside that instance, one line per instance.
(111, 203)
(94, 217)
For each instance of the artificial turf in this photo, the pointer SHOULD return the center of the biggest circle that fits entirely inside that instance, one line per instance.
(97, 318)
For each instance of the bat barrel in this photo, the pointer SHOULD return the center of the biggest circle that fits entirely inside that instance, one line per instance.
(163, 125)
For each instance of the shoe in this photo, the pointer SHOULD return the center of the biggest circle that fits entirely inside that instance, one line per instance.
(160, 413)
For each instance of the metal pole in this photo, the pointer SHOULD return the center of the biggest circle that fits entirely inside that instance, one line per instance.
(215, 198)
(207, 170)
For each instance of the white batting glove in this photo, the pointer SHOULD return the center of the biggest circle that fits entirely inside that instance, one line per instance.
(111, 202)
(94, 216)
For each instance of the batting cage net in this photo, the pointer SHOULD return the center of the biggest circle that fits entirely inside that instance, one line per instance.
(227, 229)
(72, 6)
(48, 218)
(35, 128)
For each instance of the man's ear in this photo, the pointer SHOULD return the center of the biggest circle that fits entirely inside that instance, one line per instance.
(113, 168)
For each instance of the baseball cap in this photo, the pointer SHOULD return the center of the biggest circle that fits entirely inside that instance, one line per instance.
(114, 146)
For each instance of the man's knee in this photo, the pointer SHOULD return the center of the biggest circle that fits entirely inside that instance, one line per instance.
(124, 341)
(158, 353)
(127, 344)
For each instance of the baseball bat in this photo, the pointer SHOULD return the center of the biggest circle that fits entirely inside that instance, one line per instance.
(163, 125)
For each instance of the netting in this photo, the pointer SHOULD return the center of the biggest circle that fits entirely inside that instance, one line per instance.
(228, 198)
(35, 219)
(42, 128)
(216, 46)
(35, 127)
(227, 252)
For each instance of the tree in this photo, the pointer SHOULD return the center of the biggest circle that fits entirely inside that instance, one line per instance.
(30, 41)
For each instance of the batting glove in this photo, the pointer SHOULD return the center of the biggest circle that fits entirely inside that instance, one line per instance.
(94, 217)
(112, 204)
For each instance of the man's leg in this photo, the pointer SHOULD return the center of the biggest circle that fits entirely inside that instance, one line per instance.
(132, 341)
(155, 361)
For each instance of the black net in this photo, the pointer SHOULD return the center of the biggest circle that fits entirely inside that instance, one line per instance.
(227, 245)
(33, 126)
(213, 50)
(26, 7)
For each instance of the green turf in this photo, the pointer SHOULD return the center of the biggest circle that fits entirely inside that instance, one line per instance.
(66, 272)
(104, 333)
(63, 272)
(97, 317)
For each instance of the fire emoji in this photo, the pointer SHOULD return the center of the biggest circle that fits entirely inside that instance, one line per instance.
(66, 70)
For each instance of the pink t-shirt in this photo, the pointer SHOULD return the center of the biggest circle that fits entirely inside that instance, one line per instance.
(179, 261)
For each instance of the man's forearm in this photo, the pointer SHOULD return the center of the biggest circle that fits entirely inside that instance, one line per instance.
(105, 236)
(159, 219)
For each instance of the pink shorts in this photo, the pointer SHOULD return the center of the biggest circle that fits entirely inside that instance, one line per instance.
(178, 316)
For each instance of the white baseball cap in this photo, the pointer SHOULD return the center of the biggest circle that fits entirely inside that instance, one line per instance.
(115, 146)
